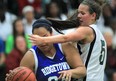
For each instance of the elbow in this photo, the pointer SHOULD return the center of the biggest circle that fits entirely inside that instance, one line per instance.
(83, 73)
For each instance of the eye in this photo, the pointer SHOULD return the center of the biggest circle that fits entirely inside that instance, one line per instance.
(45, 35)
(82, 13)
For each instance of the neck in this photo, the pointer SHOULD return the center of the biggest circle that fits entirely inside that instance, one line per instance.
(93, 22)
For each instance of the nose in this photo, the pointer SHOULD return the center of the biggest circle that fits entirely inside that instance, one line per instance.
(79, 15)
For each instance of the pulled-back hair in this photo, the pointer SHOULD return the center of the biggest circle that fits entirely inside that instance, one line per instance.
(94, 7)
(73, 21)
(59, 25)
(42, 23)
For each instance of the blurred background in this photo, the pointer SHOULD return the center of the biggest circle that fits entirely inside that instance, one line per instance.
(17, 16)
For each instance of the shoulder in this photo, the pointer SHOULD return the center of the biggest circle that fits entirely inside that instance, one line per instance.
(29, 54)
(83, 32)
(14, 51)
(10, 37)
(88, 31)
(14, 54)
(67, 46)
(26, 37)
(10, 40)
(84, 28)
(28, 60)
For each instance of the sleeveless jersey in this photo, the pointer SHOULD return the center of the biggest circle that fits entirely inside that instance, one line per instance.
(47, 69)
(94, 56)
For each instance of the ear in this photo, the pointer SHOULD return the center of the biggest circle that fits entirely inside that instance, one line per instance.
(94, 16)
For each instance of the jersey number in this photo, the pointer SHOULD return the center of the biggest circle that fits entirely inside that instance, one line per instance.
(53, 78)
(102, 56)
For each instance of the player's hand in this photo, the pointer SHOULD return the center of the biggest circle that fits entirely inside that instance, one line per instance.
(7, 75)
(65, 75)
(35, 39)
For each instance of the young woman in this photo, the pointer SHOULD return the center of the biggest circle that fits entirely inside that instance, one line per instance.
(51, 62)
(13, 59)
(18, 29)
(90, 41)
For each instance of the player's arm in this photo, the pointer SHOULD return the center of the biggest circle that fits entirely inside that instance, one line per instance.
(81, 33)
(28, 60)
(74, 60)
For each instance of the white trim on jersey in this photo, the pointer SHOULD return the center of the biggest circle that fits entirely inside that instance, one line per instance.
(60, 47)
(35, 57)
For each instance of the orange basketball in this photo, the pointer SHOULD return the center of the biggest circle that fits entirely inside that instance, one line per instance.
(21, 74)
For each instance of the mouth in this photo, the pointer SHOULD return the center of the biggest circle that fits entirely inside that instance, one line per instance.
(80, 21)
(43, 46)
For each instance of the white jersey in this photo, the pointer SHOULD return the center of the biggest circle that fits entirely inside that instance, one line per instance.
(94, 57)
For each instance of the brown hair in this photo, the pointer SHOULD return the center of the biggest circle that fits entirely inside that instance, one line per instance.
(93, 7)
(73, 21)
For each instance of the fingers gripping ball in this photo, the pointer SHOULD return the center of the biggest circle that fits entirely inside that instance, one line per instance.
(21, 74)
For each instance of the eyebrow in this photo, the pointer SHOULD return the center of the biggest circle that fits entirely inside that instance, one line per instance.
(45, 34)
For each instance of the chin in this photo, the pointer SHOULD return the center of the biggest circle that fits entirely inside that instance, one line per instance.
(46, 49)
(81, 23)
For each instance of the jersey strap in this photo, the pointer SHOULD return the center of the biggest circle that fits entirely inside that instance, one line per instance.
(89, 53)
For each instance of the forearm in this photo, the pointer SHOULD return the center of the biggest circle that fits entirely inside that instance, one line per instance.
(78, 72)
(55, 39)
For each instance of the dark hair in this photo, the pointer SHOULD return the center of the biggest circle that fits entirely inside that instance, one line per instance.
(73, 21)
(47, 10)
(100, 2)
(94, 7)
(42, 23)
(15, 33)
(59, 25)
(62, 25)
(2, 12)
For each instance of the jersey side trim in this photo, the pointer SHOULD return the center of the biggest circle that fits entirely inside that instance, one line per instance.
(89, 53)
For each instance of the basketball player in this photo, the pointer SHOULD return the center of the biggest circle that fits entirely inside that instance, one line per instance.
(89, 40)
(53, 61)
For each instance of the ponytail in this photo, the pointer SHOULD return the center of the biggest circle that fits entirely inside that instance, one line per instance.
(59, 25)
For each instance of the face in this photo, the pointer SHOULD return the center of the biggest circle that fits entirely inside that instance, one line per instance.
(21, 43)
(29, 15)
(106, 11)
(84, 16)
(19, 27)
(54, 9)
(43, 33)
(113, 3)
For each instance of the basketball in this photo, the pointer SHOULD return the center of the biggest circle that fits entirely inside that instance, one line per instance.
(21, 74)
